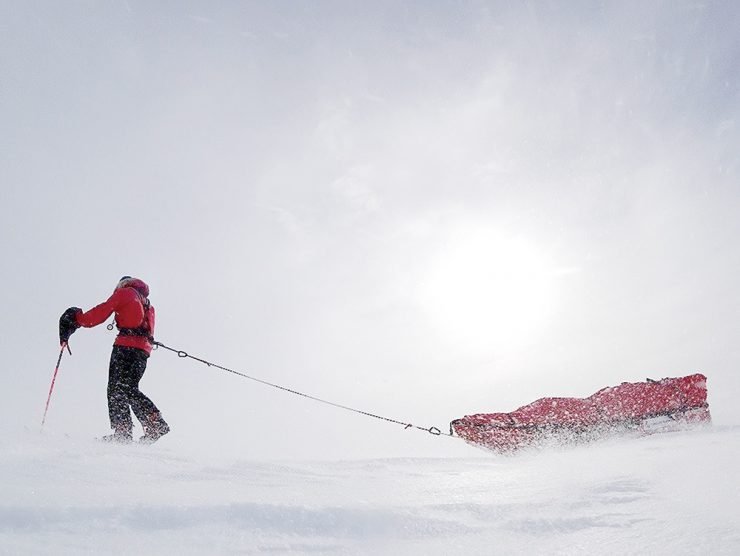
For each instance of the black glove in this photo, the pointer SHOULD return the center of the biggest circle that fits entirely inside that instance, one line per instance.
(68, 324)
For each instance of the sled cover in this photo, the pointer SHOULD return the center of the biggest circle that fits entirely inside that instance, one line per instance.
(645, 407)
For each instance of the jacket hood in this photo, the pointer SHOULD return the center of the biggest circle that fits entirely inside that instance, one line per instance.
(139, 285)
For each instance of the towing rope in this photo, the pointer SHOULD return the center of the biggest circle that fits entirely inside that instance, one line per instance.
(183, 354)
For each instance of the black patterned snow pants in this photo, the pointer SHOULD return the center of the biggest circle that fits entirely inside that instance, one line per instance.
(127, 366)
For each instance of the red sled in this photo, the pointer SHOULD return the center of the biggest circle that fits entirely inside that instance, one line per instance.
(642, 407)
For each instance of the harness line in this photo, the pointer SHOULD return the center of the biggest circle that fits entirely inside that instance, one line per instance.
(183, 354)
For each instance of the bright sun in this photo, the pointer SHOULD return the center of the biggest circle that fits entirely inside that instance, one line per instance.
(485, 292)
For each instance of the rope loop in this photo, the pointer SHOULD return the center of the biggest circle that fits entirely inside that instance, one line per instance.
(182, 354)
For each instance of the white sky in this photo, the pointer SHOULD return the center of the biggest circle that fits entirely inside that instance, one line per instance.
(421, 209)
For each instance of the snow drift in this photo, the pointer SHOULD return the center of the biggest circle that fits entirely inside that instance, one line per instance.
(663, 494)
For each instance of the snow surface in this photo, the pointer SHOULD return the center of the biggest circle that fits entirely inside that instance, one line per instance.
(666, 494)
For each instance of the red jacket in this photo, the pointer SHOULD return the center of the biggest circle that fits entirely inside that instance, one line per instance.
(132, 311)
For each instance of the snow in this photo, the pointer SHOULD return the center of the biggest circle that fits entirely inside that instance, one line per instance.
(362, 202)
(666, 494)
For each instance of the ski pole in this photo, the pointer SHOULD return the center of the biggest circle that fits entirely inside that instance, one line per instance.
(53, 380)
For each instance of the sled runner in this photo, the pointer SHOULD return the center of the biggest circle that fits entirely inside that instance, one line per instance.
(645, 407)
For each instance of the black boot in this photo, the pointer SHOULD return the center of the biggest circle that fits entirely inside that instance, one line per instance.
(155, 428)
(119, 436)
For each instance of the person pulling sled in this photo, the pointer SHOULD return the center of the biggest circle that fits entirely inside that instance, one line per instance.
(131, 349)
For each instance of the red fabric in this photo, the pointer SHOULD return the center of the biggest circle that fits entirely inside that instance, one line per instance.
(682, 399)
(570, 411)
(128, 305)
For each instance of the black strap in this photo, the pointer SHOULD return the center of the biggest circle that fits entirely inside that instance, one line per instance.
(140, 331)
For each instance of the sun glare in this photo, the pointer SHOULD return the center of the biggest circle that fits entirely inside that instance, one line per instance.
(485, 292)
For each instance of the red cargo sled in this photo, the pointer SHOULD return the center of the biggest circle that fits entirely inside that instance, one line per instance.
(645, 407)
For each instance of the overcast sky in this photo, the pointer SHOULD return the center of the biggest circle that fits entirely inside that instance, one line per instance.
(422, 209)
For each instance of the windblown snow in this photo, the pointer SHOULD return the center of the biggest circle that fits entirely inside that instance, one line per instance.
(673, 494)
